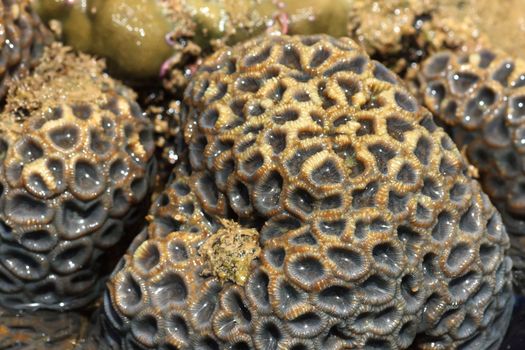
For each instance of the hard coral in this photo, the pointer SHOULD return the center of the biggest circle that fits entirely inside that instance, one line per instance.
(75, 171)
(22, 39)
(371, 233)
(480, 95)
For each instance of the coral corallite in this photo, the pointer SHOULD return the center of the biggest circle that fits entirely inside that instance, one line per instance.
(371, 233)
(76, 163)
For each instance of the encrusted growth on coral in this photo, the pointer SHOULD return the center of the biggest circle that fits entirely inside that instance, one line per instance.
(372, 233)
(75, 174)
(229, 252)
(480, 96)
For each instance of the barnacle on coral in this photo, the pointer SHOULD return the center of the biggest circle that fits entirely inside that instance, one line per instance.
(76, 168)
(480, 95)
(371, 232)
(22, 39)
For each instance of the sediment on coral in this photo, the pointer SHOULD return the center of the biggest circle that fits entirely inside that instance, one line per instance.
(372, 232)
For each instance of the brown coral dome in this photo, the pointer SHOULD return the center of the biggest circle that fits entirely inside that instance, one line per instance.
(370, 232)
(481, 97)
(75, 172)
(22, 39)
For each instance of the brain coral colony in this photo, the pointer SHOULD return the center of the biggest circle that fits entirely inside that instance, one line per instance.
(321, 208)
(76, 168)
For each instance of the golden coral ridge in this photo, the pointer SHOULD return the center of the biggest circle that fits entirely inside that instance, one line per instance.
(76, 157)
(372, 235)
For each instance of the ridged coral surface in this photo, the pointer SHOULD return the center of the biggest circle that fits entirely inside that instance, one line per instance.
(75, 173)
(480, 96)
(371, 232)
(22, 39)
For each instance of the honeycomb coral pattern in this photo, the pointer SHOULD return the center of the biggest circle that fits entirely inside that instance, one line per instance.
(22, 39)
(481, 97)
(71, 186)
(372, 235)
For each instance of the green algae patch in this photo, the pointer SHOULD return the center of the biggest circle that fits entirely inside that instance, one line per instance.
(129, 34)
(132, 35)
(228, 20)
(137, 37)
